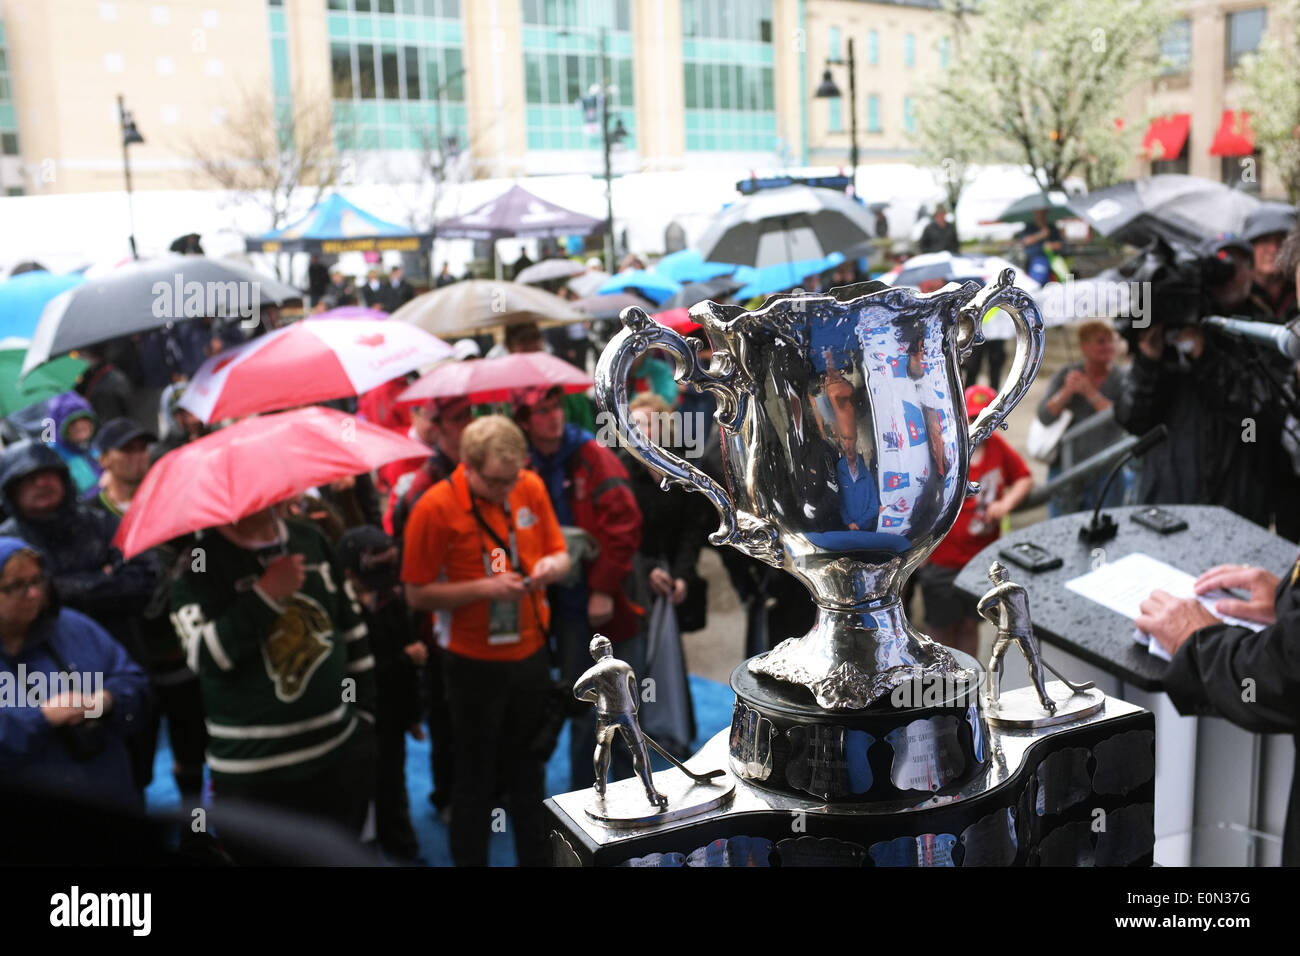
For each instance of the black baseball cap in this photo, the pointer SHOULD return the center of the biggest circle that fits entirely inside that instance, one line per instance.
(117, 432)
(358, 550)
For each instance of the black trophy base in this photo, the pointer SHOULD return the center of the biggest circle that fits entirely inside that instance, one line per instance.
(1076, 794)
(925, 738)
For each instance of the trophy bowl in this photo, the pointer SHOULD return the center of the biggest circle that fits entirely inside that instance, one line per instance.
(846, 451)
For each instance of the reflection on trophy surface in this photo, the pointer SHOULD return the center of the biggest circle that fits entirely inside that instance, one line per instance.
(845, 456)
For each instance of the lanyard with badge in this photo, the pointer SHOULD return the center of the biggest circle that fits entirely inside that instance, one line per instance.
(503, 616)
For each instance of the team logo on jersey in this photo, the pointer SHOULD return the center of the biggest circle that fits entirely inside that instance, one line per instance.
(915, 423)
(524, 518)
(298, 645)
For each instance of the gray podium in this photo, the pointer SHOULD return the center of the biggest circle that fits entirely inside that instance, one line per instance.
(1221, 793)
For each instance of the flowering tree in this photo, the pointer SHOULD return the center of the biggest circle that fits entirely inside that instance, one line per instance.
(1270, 80)
(1041, 82)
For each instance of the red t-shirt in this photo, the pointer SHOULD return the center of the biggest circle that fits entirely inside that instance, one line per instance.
(997, 470)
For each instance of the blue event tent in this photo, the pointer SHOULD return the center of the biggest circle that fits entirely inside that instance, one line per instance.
(336, 226)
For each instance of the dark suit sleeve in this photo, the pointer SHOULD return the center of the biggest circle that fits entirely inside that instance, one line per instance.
(1250, 678)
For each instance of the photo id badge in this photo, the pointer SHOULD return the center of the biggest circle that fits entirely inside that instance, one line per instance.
(503, 622)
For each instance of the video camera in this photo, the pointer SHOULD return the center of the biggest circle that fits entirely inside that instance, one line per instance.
(1176, 281)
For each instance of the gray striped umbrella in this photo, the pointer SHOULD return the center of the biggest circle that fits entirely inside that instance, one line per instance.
(148, 295)
(790, 224)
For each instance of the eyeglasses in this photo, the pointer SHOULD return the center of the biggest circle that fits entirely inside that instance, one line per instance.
(22, 587)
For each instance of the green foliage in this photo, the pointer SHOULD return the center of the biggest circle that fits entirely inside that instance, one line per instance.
(1040, 83)
(1270, 80)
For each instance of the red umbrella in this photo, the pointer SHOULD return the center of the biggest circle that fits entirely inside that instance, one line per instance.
(679, 320)
(496, 380)
(311, 361)
(252, 465)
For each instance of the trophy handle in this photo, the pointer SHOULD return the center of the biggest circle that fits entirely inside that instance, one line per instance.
(640, 332)
(1019, 305)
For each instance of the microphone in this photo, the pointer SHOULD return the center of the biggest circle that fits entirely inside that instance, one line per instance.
(1104, 527)
(1280, 337)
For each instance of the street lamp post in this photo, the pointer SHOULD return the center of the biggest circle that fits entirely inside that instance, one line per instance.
(129, 135)
(828, 90)
(608, 138)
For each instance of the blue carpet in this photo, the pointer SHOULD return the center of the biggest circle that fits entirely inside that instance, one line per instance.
(713, 703)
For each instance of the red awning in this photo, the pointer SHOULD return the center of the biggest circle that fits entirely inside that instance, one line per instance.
(1166, 136)
(1234, 136)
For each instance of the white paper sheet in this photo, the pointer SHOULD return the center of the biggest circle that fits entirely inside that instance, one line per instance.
(1123, 585)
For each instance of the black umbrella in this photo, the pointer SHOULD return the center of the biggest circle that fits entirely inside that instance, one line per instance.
(789, 224)
(713, 289)
(1182, 210)
(149, 295)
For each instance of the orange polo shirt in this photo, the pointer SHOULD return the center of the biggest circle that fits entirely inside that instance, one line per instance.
(443, 537)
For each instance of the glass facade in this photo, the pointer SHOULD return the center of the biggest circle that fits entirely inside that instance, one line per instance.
(562, 64)
(281, 84)
(8, 114)
(728, 72)
(397, 72)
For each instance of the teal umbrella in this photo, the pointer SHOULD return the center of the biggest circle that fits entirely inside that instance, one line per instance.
(1023, 209)
(44, 382)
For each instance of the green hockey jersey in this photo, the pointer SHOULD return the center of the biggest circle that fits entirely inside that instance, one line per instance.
(284, 684)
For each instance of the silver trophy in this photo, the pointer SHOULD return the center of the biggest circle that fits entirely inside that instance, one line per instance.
(846, 455)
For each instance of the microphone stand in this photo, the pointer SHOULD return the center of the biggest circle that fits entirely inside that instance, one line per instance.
(1103, 527)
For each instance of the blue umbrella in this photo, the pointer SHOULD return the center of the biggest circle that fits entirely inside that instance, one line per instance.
(688, 265)
(784, 275)
(23, 298)
(654, 287)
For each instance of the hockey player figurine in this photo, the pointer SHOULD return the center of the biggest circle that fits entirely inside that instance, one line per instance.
(1006, 607)
(612, 687)
(1011, 603)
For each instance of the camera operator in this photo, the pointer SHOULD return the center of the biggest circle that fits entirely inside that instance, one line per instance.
(1215, 663)
(1273, 295)
(1208, 389)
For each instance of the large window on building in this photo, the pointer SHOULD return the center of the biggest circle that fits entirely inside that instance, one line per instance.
(1243, 29)
(873, 112)
(397, 72)
(563, 65)
(727, 62)
(1176, 48)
